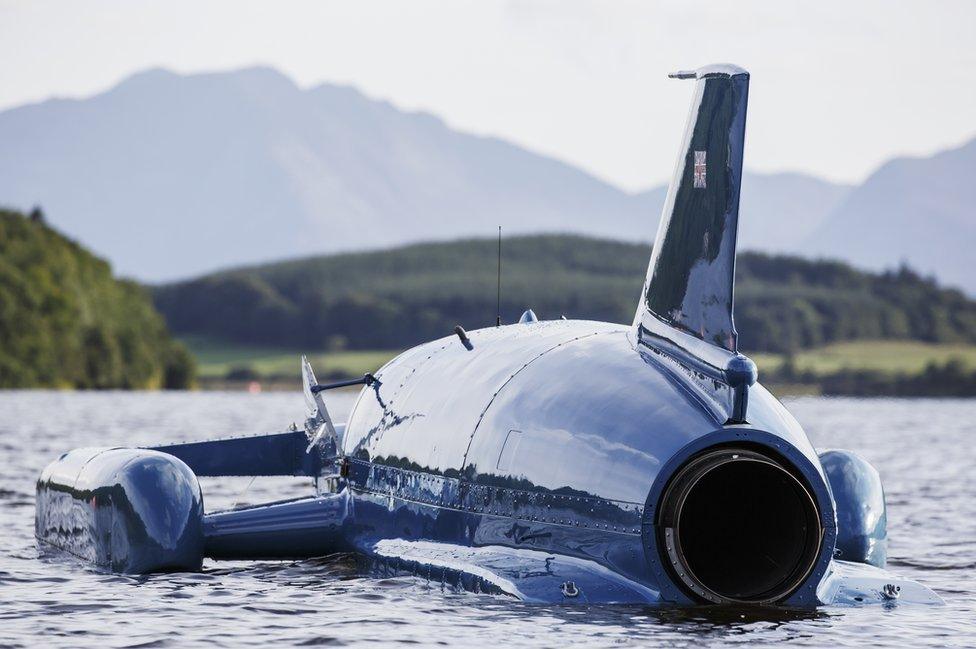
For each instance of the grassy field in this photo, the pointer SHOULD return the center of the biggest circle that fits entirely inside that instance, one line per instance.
(215, 359)
(888, 356)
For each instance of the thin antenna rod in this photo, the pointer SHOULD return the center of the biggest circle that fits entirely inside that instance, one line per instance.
(498, 298)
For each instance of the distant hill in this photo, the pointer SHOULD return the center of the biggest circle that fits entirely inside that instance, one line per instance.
(391, 299)
(169, 176)
(918, 210)
(65, 322)
(779, 212)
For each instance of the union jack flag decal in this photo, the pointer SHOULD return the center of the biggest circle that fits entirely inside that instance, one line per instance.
(699, 169)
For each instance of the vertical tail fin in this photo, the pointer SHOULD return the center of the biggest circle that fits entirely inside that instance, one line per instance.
(688, 290)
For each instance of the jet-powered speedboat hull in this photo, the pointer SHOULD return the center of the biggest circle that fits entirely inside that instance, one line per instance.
(147, 517)
(559, 461)
(140, 510)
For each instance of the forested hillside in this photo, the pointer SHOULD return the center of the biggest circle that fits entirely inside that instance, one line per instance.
(66, 322)
(392, 299)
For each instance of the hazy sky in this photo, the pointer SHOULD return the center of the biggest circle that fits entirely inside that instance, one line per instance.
(837, 87)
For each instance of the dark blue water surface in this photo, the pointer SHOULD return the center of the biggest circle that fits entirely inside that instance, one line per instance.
(924, 449)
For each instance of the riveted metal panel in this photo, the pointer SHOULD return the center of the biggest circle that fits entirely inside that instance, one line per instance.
(423, 411)
(600, 432)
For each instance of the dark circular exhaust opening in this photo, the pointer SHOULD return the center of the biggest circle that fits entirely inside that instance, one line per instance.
(737, 525)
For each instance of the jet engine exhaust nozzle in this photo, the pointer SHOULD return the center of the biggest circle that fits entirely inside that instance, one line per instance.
(738, 526)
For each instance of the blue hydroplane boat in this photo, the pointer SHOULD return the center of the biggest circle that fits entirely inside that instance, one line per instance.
(559, 461)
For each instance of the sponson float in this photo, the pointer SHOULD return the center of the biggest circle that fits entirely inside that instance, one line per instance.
(563, 461)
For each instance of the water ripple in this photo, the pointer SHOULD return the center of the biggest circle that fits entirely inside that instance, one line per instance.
(923, 449)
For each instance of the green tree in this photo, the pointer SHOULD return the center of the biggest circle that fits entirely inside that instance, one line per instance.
(66, 322)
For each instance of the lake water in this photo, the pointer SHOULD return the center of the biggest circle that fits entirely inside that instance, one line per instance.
(924, 449)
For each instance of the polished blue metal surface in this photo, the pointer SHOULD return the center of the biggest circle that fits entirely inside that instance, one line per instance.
(256, 455)
(690, 276)
(128, 510)
(305, 527)
(862, 519)
(428, 401)
(560, 460)
(563, 461)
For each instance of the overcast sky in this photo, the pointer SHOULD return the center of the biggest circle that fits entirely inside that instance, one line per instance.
(837, 87)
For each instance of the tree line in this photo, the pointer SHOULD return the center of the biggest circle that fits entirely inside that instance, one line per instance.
(397, 298)
(65, 322)
(951, 378)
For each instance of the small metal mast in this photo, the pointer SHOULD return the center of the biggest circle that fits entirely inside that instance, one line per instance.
(498, 296)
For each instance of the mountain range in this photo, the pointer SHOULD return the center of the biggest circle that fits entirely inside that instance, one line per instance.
(916, 210)
(170, 176)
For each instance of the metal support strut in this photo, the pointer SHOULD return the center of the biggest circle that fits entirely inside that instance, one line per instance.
(368, 379)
